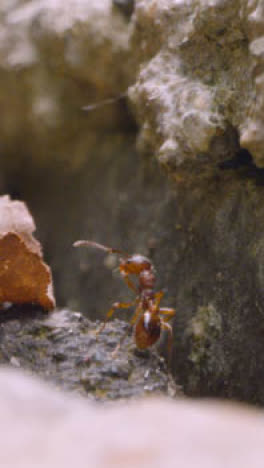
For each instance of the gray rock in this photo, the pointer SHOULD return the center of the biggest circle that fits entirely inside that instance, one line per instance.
(62, 348)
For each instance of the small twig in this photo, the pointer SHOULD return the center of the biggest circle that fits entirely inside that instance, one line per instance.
(104, 102)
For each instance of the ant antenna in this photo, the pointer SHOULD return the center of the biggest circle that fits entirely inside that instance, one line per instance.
(87, 243)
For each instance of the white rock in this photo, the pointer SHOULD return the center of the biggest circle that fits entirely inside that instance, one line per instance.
(199, 65)
(42, 427)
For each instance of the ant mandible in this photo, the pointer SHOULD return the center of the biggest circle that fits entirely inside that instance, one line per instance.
(149, 318)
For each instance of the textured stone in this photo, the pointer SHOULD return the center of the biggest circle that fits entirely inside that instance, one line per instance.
(200, 72)
(25, 278)
(47, 428)
(64, 349)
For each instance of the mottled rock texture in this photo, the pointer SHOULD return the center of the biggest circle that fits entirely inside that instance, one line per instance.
(24, 277)
(47, 428)
(200, 74)
(196, 68)
(63, 348)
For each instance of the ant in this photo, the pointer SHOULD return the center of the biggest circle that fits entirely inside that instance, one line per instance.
(149, 318)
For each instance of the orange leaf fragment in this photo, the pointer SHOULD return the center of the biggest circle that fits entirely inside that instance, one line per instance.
(24, 276)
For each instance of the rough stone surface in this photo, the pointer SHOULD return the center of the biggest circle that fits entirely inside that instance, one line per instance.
(215, 281)
(47, 428)
(25, 278)
(200, 73)
(63, 349)
(198, 78)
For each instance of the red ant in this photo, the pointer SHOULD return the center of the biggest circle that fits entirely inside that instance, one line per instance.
(149, 318)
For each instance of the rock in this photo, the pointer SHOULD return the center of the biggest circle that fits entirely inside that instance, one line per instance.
(63, 349)
(55, 58)
(199, 76)
(25, 278)
(214, 275)
(47, 428)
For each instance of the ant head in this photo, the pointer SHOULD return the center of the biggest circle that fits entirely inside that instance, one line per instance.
(135, 264)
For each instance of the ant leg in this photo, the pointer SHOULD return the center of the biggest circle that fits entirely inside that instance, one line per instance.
(166, 326)
(132, 321)
(168, 312)
(128, 281)
(115, 306)
(158, 296)
(137, 313)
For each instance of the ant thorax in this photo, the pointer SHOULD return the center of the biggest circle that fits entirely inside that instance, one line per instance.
(147, 279)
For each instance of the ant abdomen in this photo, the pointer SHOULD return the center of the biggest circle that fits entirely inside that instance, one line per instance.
(147, 330)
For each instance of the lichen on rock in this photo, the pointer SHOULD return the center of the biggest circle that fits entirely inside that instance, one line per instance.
(205, 335)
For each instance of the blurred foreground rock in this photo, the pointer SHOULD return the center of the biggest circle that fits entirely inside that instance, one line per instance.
(47, 428)
(24, 277)
(56, 57)
(63, 349)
